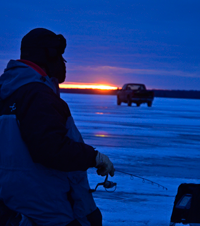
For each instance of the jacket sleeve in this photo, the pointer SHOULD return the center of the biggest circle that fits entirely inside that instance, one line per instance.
(42, 116)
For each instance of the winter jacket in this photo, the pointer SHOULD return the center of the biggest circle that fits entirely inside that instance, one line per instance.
(44, 119)
(42, 156)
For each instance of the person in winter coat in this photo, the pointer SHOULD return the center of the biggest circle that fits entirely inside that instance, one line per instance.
(43, 158)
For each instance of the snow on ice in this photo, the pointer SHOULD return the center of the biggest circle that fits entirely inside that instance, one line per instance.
(159, 143)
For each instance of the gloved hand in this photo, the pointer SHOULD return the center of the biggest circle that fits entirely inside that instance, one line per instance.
(104, 165)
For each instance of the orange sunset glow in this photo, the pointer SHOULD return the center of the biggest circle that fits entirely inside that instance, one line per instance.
(87, 86)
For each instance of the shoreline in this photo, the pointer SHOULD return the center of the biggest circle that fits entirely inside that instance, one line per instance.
(185, 94)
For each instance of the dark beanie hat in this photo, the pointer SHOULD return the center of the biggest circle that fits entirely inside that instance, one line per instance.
(44, 48)
(41, 44)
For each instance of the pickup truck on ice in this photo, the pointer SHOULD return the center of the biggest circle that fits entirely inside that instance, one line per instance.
(135, 93)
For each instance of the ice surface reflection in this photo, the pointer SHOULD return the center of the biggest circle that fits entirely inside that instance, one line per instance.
(161, 143)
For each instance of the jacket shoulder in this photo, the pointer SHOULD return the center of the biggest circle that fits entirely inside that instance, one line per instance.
(33, 93)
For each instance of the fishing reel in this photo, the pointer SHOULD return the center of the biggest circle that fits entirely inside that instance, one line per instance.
(106, 184)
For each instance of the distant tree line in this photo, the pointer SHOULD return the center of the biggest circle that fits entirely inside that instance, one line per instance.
(186, 94)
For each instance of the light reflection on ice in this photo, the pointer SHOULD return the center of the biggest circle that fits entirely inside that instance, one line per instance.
(101, 135)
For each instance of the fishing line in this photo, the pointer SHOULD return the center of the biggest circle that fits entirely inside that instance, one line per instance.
(142, 178)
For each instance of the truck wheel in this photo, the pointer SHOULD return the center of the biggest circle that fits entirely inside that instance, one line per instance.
(149, 104)
(118, 101)
(129, 101)
(138, 104)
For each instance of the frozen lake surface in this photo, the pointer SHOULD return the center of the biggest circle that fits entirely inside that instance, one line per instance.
(161, 143)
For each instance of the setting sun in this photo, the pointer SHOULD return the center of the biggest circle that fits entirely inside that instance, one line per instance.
(86, 86)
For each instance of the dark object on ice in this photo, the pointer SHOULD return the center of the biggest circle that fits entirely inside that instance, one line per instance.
(186, 208)
(135, 93)
(106, 184)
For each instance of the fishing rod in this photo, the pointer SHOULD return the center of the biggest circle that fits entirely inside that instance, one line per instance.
(142, 178)
(109, 184)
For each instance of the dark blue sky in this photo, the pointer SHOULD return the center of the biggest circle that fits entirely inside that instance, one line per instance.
(154, 42)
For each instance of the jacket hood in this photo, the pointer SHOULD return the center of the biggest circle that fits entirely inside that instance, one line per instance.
(18, 74)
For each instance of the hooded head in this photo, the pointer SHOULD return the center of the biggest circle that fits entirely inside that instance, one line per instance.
(44, 48)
